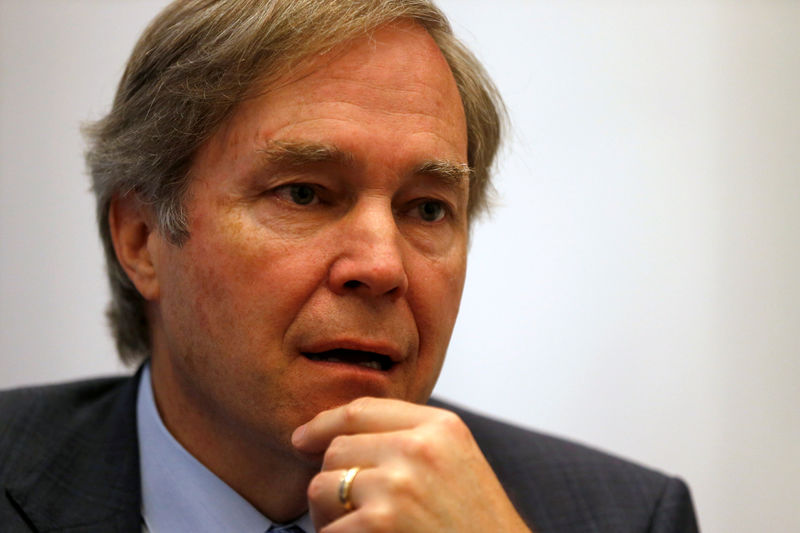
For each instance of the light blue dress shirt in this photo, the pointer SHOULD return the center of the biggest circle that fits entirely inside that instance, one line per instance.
(179, 494)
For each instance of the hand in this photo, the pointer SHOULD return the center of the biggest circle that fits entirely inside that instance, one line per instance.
(421, 470)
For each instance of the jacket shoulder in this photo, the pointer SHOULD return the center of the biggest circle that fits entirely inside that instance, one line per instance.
(68, 457)
(37, 420)
(560, 485)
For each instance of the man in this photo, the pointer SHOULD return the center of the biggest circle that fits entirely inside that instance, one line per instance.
(285, 190)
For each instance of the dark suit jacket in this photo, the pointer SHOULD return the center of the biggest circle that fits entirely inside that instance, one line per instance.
(69, 462)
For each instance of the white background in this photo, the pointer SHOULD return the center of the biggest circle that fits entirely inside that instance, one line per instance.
(637, 287)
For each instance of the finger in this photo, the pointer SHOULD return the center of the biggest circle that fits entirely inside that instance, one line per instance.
(324, 503)
(366, 450)
(363, 415)
(377, 517)
(350, 522)
(323, 498)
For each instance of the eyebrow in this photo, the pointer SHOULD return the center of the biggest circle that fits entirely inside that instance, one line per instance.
(297, 154)
(454, 174)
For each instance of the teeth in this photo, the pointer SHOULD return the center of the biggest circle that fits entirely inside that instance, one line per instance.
(317, 357)
(370, 364)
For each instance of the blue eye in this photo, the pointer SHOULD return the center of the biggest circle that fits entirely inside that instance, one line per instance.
(298, 193)
(302, 194)
(431, 211)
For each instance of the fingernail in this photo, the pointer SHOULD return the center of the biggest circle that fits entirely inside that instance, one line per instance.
(298, 434)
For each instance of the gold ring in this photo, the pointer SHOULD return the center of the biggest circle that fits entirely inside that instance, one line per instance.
(345, 485)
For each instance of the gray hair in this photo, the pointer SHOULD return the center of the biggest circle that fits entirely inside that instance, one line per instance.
(194, 63)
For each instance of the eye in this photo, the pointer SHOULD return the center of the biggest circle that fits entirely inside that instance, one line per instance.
(297, 193)
(430, 210)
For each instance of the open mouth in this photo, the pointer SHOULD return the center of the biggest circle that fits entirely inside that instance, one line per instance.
(371, 360)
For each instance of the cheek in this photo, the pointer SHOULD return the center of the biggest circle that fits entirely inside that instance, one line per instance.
(236, 288)
(437, 296)
(436, 307)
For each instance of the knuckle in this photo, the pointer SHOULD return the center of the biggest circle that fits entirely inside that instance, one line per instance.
(397, 481)
(380, 518)
(452, 425)
(316, 488)
(449, 419)
(337, 446)
(354, 409)
(337, 449)
(415, 445)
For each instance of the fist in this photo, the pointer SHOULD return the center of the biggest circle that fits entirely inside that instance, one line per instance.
(419, 470)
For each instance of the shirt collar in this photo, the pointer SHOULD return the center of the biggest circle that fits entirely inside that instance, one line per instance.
(178, 492)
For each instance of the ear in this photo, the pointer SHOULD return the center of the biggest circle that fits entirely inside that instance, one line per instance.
(134, 235)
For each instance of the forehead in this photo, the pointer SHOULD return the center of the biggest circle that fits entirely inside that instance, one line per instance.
(394, 78)
(401, 58)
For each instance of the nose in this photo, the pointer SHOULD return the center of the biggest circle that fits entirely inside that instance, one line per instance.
(370, 257)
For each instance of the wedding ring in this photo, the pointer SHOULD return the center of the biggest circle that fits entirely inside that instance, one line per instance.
(345, 485)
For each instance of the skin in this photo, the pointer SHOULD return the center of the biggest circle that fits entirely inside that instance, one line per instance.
(362, 247)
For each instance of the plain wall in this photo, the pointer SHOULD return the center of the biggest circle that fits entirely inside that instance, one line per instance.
(636, 287)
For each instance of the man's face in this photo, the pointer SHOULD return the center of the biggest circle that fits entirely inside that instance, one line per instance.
(327, 249)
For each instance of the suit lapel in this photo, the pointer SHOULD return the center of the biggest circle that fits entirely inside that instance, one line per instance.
(90, 481)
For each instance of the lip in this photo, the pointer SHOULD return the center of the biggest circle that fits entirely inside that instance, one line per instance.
(388, 349)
